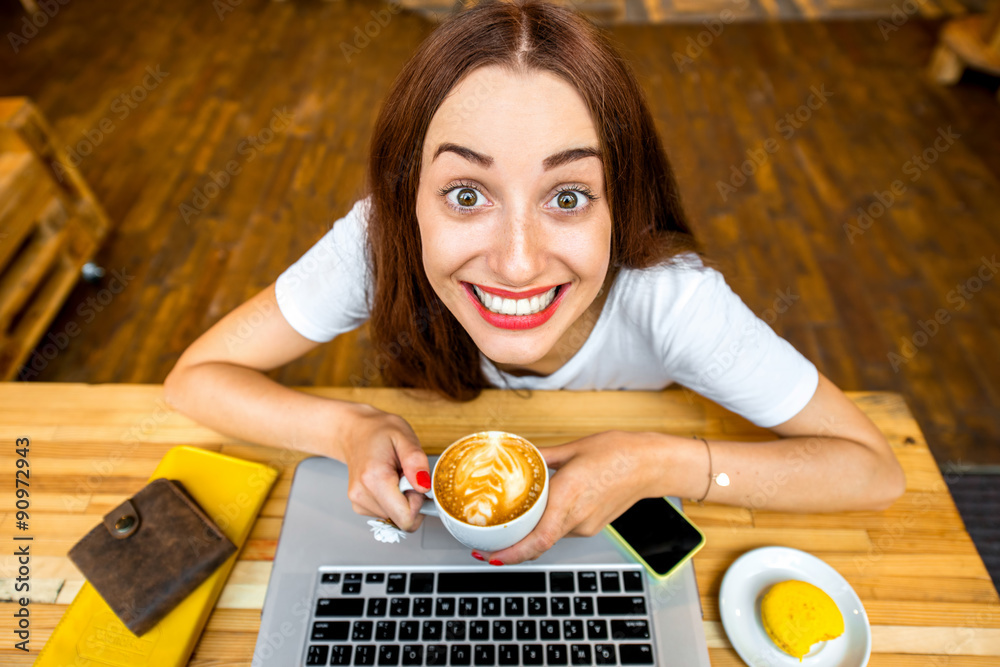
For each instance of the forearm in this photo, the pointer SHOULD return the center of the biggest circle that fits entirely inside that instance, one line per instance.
(800, 474)
(246, 404)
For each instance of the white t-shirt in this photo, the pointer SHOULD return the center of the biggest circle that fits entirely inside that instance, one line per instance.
(678, 322)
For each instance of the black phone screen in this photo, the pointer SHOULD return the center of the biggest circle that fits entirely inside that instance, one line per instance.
(658, 533)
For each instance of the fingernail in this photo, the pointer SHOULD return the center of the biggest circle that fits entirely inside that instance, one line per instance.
(477, 555)
(495, 562)
(424, 479)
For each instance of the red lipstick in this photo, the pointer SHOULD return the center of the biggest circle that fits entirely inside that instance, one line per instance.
(517, 322)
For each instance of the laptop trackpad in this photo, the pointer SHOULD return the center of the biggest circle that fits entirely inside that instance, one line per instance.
(433, 535)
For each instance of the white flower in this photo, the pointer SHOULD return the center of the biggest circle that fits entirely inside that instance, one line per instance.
(386, 531)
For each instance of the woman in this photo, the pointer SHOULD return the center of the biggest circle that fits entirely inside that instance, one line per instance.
(523, 228)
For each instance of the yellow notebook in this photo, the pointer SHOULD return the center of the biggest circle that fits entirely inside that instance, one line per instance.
(232, 492)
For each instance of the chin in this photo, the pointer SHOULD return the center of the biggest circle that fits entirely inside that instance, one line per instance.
(515, 351)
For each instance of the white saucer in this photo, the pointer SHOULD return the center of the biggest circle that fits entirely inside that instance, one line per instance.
(748, 579)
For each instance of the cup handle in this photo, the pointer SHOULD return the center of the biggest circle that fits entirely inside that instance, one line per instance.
(428, 508)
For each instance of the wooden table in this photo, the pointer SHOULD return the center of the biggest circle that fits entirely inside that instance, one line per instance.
(927, 593)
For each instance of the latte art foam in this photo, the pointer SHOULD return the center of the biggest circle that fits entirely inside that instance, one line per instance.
(489, 478)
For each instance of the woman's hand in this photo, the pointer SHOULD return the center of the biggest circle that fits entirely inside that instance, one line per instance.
(597, 479)
(377, 447)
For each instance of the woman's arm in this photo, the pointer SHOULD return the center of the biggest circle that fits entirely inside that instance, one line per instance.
(830, 458)
(219, 381)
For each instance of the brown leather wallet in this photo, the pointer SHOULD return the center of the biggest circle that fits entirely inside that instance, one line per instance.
(150, 552)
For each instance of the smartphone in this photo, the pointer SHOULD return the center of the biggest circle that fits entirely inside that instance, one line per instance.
(658, 535)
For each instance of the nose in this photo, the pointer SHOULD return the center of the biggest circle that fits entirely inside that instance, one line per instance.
(517, 256)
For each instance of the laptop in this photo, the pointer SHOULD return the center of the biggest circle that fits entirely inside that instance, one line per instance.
(337, 595)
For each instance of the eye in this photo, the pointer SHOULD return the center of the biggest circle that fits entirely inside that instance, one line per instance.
(568, 199)
(462, 197)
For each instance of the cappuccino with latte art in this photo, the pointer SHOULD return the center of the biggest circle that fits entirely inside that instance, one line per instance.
(489, 478)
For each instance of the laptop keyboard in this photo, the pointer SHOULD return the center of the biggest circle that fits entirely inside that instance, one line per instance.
(535, 615)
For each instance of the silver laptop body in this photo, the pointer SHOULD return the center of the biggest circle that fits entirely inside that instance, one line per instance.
(321, 529)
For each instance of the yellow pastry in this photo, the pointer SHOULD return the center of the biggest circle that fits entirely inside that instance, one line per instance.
(797, 614)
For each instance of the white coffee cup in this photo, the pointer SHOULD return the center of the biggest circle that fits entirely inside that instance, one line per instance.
(487, 538)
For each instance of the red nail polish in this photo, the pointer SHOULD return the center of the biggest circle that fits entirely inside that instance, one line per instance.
(477, 555)
(424, 479)
(495, 562)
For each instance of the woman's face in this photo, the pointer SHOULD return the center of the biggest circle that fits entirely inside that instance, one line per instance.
(513, 217)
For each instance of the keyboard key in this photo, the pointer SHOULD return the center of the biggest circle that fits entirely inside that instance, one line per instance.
(538, 607)
(583, 606)
(353, 577)
(454, 631)
(503, 631)
(635, 654)
(399, 607)
(340, 607)
(484, 654)
(620, 605)
(532, 654)
(376, 606)
(491, 607)
(573, 629)
(491, 582)
(633, 581)
(396, 583)
(365, 654)
(526, 630)
(468, 606)
(431, 631)
(388, 655)
(351, 588)
(445, 607)
(587, 582)
(579, 654)
(461, 654)
(509, 654)
(561, 582)
(604, 654)
(341, 655)
(513, 606)
(330, 631)
(317, 654)
(560, 606)
(330, 578)
(597, 629)
(437, 654)
(610, 582)
(375, 577)
(413, 654)
(421, 582)
(556, 654)
(634, 629)
(409, 630)
(423, 606)
(549, 629)
(362, 631)
(385, 631)
(479, 631)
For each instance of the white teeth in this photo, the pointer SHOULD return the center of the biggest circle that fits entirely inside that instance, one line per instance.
(498, 304)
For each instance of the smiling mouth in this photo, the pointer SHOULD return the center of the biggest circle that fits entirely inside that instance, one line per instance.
(504, 306)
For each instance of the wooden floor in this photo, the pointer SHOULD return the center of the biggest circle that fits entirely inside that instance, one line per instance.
(780, 236)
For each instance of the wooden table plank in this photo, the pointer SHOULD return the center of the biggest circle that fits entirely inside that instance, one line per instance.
(914, 566)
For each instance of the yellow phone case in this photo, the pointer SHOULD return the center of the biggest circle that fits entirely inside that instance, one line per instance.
(232, 492)
(634, 554)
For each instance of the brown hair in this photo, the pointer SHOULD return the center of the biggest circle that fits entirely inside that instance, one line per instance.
(430, 348)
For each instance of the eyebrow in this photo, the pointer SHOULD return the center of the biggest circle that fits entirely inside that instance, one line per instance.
(549, 163)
